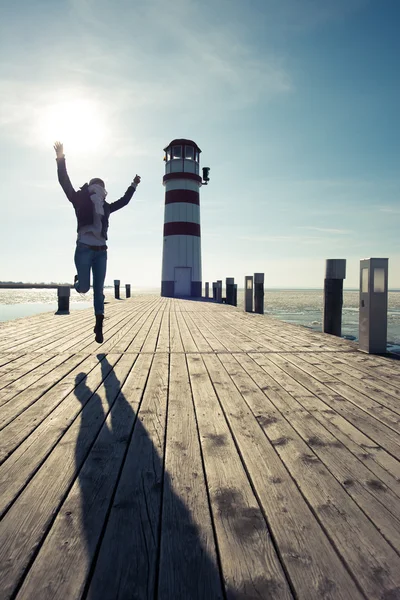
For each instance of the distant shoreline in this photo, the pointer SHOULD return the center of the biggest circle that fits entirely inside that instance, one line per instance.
(50, 286)
(35, 286)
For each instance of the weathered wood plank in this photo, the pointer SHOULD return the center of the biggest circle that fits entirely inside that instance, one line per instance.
(360, 544)
(71, 544)
(163, 338)
(132, 533)
(40, 439)
(39, 378)
(175, 335)
(188, 560)
(250, 565)
(315, 569)
(24, 413)
(28, 519)
(355, 413)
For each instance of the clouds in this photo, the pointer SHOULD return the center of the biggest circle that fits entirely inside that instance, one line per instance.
(141, 63)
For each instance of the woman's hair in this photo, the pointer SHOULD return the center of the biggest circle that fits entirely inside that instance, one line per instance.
(98, 181)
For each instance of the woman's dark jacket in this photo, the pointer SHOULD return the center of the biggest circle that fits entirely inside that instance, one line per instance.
(84, 207)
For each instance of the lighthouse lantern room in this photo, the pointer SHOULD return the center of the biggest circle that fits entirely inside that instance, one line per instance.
(181, 264)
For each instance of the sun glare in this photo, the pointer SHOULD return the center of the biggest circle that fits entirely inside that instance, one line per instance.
(78, 123)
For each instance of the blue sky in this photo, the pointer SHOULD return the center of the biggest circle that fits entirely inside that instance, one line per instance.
(295, 104)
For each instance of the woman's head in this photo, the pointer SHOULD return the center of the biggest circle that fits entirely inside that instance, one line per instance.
(98, 181)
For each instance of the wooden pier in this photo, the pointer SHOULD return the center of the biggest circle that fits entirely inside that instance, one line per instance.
(199, 453)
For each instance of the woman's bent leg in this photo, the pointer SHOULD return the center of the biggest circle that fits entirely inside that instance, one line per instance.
(83, 263)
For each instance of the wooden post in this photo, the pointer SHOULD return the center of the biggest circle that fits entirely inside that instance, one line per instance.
(219, 290)
(259, 293)
(248, 293)
(63, 294)
(230, 283)
(116, 288)
(128, 290)
(214, 290)
(373, 305)
(235, 295)
(335, 272)
(207, 293)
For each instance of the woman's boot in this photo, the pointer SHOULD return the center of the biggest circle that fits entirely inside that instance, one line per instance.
(98, 329)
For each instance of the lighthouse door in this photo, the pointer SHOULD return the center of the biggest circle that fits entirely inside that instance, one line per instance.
(183, 281)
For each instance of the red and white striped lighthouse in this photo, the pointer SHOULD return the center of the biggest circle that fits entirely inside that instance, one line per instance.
(181, 265)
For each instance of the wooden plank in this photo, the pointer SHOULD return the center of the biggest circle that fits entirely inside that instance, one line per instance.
(21, 367)
(188, 560)
(374, 428)
(375, 499)
(386, 395)
(188, 342)
(29, 518)
(373, 372)
(163, 338)
(138, 341)
(379, 462)
(131, 537)
(122, 328)
(137, 322)
(150, 343)
(70, 546)
(250, 565)
(42, 336)
(24, 412)
(175, 335)
(84, 339)
(40, 439)
(37, 378)
(215, 344)
(360, 544)
(315, 570)
(197, 335)
(7, 359)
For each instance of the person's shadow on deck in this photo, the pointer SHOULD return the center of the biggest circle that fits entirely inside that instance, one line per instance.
(123, 485)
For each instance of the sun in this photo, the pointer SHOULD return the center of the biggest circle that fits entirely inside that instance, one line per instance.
(78, 123)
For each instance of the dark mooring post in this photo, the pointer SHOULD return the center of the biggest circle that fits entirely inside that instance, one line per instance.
(116, 288)
(219, 290)
(63, 294)
(335, 272)
(259, 293)
(248, 293)
(373, 305)
(235, 295)
(214, 290)
(128, 290)
(230, 284)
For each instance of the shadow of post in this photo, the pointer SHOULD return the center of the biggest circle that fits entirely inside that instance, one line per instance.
(122, 486)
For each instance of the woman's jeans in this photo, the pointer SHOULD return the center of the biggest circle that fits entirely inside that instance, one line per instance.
(86, 259)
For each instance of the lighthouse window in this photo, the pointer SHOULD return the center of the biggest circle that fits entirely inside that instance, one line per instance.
(197, 156)
(176, 151)
(169, 154)
(189, 152)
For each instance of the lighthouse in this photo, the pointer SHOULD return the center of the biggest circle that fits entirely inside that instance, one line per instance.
(181, 264)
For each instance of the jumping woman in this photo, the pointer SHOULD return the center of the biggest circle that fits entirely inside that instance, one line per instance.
(92, 212)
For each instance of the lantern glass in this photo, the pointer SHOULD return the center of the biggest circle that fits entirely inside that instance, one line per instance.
(177, 152)
(189, 152)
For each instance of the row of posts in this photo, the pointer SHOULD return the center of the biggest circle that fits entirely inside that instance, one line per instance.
(117, 283)
(373, 300)
(254, 292)
(64, 293)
